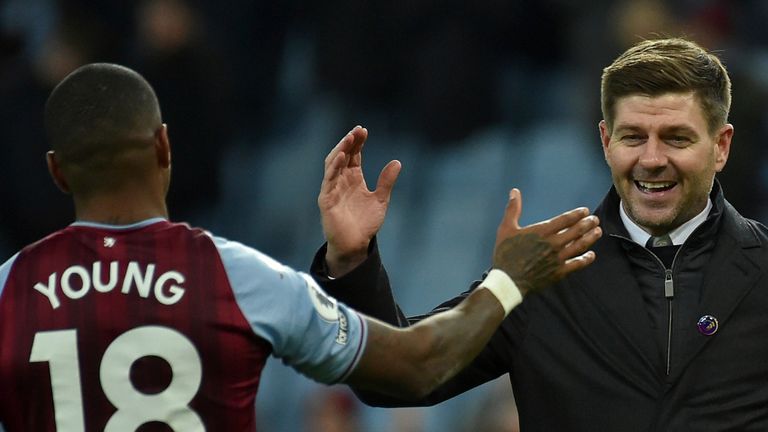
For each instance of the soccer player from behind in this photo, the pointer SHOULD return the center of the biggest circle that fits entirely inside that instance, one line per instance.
(125, 320)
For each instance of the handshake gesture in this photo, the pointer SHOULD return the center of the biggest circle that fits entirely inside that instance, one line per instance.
(534, 256)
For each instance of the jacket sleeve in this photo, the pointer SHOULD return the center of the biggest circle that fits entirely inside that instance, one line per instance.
(367, 289)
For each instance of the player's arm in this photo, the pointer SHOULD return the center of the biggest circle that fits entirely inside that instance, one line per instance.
(411, 362)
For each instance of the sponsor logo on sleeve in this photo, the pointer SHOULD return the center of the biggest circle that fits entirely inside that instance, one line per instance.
(342, 336)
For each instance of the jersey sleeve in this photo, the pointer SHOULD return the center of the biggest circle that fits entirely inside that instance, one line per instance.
(5, 270)
(309, 330)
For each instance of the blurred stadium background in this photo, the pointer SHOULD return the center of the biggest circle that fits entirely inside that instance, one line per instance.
(473, 97)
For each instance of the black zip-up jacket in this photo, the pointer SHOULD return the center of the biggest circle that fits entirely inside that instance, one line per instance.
(597, 351)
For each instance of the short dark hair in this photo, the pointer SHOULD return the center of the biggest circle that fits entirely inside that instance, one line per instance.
(674, 65)
(97, 105)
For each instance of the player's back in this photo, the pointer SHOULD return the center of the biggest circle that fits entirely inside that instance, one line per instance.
(111, 329)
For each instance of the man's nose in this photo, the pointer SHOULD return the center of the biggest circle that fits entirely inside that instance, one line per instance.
(654, 154)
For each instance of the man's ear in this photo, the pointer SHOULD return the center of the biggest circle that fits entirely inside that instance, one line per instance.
(55, 170)
(163, 146)
(723, 146)
(605, 136)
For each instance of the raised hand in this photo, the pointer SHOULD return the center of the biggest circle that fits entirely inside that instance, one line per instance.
(540, 254)
(351, 214)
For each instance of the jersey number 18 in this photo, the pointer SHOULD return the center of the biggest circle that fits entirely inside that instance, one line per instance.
(134, 408)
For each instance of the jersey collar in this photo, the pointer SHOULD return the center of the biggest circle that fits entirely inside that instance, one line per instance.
(140, 224)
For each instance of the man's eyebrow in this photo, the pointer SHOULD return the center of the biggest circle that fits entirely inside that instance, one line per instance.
(680, 129)
(673, 129)
(627, 128)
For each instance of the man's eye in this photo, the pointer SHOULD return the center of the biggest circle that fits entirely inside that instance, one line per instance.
(679, 140)
(631, 138)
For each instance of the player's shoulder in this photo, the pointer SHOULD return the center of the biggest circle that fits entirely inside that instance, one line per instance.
(238, 255)
(25, 253)
(33, 249)
(5, 271)
(43, 243)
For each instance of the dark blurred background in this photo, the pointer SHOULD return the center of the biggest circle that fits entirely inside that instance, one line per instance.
(473, 97)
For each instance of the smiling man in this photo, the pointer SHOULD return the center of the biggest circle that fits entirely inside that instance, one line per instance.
(664, 331)
(665, 133)
(663, 157)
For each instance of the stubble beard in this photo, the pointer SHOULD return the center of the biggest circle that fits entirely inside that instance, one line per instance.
(659, 221)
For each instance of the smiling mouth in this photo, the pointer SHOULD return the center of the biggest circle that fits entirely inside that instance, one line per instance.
(651, 187)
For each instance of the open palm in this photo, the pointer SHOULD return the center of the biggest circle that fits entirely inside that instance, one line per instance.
(351, 214)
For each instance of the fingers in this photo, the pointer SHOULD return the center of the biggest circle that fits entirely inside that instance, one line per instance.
(580, 244)
(333, 169)
(351, 145)
(345, 154)
(573, 232)
(345, 161)
(577, 263)
(387, 180)
(341, 146)
(359, 135)
(561, 222)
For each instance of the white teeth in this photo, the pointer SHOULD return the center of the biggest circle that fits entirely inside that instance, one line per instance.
(656, 185)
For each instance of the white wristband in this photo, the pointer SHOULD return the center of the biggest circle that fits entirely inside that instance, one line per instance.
(504, 288)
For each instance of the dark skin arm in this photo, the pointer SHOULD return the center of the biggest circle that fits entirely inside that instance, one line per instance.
(411, 362)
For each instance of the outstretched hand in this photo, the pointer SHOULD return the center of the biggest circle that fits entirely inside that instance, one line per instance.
(351, 214)
(540, 254)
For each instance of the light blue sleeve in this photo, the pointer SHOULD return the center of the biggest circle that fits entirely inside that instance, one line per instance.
(309, 330)
(5, 270)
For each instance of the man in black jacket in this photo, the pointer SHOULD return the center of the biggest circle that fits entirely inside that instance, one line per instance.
(664, 331)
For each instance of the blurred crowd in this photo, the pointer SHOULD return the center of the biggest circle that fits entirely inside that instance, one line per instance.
(473, 97)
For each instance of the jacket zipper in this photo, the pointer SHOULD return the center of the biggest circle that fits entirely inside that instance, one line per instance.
(669, 294)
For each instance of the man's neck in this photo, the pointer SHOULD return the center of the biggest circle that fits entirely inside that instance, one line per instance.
(120, 208)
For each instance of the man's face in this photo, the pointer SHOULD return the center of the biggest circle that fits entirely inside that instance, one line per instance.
(662, 158)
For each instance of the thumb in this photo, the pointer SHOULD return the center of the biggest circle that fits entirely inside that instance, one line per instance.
(514, 209)
(509, 225)
(387, 180)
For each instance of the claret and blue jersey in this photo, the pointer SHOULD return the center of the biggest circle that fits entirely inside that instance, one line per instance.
(156, 324)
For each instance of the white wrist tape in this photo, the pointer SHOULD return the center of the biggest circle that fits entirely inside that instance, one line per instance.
(504, 288)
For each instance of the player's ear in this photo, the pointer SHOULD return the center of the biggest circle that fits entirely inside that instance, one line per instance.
(163, 146)
(55, 170)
